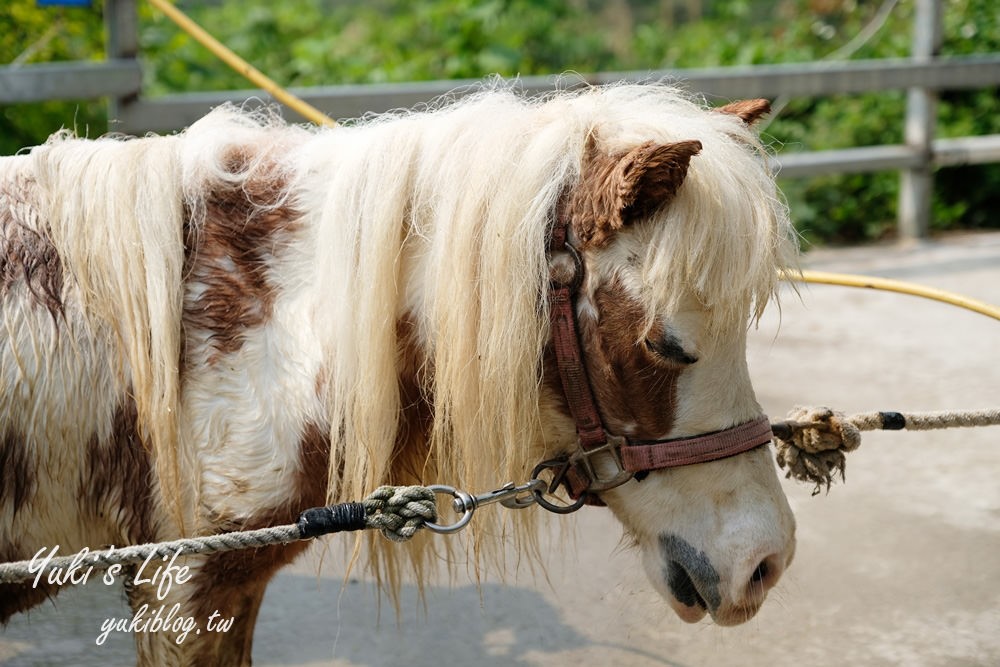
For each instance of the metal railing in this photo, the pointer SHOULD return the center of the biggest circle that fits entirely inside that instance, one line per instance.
(923, 75)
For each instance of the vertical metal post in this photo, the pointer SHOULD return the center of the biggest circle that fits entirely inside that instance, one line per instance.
(917, 184)
(121, 41)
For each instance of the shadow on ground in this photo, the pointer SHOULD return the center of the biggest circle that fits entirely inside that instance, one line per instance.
(308, 620)
(490, 626)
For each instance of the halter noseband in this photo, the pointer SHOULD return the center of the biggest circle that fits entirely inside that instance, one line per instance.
(577, 471)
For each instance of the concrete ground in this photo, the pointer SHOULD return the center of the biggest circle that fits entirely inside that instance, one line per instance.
(899, 566)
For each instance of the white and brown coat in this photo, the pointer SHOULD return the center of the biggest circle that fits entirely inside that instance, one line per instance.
(216, 330)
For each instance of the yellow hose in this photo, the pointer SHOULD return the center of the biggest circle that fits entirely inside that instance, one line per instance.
(242, 67)
(870, 282)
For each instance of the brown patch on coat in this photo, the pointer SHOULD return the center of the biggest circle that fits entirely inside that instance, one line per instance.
(117, 480)
(27, 255)
(410, 452)
(16, 598)
(635, 389)
(233, 583)
(17, 487)
(616, 190)
(750, 111)
(17, 472)
(229, 253)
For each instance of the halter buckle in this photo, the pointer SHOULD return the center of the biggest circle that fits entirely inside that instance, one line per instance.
(582, 461)
(580, 475)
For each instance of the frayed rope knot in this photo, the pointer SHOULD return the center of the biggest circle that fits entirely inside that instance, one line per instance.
(811, 442)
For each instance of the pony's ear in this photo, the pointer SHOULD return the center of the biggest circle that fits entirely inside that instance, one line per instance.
(616, 190)
(750, 111)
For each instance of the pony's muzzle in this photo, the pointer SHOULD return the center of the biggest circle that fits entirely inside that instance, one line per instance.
(696, 587)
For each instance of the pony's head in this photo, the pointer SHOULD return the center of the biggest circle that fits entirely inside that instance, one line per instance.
(445, 219)
(680, 232)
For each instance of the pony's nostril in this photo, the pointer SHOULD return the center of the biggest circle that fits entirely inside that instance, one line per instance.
(683, 587)
(689, 574)
(760, 574)
(765, 575)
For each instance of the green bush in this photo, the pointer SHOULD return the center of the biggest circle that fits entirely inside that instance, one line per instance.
(32, 34)
(327, 42)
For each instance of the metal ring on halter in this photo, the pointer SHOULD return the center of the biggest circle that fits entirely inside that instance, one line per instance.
(468, 502)
(562, 466)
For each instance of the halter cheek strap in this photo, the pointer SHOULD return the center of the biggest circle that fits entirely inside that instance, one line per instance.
(578, 472)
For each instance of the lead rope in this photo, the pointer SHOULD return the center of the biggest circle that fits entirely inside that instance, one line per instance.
(398, 511)
(811, 442)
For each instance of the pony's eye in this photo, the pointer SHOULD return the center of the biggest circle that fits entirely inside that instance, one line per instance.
(669, 349)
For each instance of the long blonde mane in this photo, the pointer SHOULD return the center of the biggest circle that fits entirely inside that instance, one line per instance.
(442, 217)
(114, 214)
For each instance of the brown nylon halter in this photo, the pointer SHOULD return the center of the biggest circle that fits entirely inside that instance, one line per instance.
(577, 471)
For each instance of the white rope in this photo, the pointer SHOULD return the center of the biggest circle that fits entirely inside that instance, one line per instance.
(398, 511)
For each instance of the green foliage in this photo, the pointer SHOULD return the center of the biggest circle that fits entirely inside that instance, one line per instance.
(31, 34)
(317, 42)
(329, 42)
